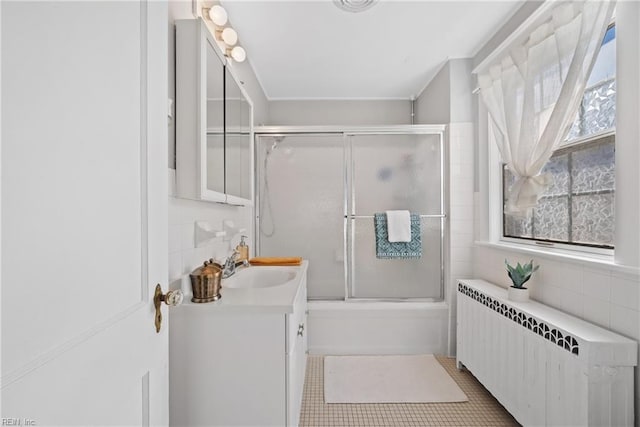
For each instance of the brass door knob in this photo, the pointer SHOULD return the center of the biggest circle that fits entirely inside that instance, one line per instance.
(171, 298)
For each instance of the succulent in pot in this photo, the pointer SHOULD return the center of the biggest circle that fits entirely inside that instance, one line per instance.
(520, 274)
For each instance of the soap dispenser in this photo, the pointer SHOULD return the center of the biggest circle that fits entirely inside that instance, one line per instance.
(243, 250)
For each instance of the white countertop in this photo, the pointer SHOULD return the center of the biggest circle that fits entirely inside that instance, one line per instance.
(276, 299)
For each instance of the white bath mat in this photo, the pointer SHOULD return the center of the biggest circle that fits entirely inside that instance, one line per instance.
(388, 379)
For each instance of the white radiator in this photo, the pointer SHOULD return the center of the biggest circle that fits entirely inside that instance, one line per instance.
(544, 366)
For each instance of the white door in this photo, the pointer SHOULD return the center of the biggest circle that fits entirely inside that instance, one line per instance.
(84, 212)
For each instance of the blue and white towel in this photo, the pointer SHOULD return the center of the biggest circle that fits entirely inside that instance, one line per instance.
(397, 250)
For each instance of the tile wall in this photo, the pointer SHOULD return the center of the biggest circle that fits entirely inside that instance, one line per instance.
(460, 219)
(184, 256)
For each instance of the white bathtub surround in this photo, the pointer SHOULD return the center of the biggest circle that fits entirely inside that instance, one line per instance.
(545, 366)
(338, 327)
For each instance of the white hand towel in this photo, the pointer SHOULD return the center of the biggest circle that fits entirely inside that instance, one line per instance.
(399, 226)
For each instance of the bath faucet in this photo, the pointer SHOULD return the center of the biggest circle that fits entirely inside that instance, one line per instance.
(229, 267)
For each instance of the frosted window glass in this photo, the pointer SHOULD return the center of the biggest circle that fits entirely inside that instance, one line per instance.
(594, 169)
(551, 218)
(593, 219)
(396, 278)
(516, 226)
(558, 168)
(597, 112)
(583, 215)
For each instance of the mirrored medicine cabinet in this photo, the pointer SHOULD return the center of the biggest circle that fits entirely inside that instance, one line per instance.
(214, 121)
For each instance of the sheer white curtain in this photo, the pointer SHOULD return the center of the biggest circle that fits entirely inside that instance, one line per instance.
(534, 92)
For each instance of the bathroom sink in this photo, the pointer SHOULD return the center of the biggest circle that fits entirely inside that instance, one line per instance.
(259, 277)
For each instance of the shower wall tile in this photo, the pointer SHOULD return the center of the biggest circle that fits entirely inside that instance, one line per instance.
(535, 293)
(461, 231)
(597, 284)
(460, 214)
(594, 311)
(463, 183)
(564, 300)
(625, 321)
(460, 199)
(625, 293)
(460, 153)
(460, 148)
(461, 270)
(464, 256)
(561, 275)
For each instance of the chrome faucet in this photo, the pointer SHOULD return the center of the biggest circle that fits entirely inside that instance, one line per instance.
(229, 267)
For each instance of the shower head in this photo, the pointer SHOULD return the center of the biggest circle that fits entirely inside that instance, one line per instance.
(276, 140)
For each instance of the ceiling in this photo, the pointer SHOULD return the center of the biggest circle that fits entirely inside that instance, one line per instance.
(302, 49)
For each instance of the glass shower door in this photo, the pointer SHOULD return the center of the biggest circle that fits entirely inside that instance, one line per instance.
(395, 172)
(302, 205)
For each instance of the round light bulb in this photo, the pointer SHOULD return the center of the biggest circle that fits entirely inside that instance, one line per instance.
(238, 54)
(229, 36)
(218, 15)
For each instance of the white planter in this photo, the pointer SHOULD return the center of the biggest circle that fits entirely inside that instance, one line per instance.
(518, 294)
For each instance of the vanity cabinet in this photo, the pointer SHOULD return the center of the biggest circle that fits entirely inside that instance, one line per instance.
(296, 357)
(238, 366)
(214, 117)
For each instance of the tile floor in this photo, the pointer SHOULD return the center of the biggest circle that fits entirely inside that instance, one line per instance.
(482, 409)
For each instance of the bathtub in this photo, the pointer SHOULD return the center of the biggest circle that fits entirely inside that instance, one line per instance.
(364, 327)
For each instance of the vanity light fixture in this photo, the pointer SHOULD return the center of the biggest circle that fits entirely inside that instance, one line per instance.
(227, 36)
(217, 15)
(237, 53)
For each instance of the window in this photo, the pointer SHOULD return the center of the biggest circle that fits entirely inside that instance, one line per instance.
(577, 208)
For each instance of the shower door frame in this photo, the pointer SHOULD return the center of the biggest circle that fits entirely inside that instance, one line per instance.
(348, 229)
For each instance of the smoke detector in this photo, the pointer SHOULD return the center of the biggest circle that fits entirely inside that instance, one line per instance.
(354, 5)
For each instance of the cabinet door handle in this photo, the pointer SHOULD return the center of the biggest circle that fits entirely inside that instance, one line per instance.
(301, 329)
